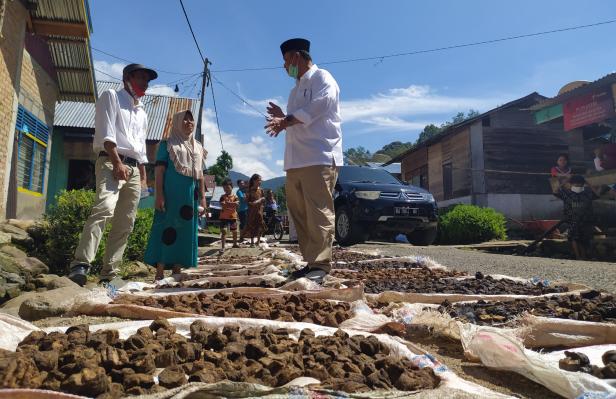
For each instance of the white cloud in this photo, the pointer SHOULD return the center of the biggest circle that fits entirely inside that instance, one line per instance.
(386, 109)
(394, 123)
(398, 109)
(280, 162)
(104, 70)
(246, 109)
(254, 156)
(161, 90)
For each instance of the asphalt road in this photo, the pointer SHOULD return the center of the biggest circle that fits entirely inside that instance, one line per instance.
(598, 275)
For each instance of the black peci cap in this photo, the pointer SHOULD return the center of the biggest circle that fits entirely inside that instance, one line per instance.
(138, 67)
(295, 45)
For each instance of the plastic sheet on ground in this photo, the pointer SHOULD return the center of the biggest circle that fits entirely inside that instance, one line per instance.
(451, 385)
(500, 349)
(534, 331)
(438, 298)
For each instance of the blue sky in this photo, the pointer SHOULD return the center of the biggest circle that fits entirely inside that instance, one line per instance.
(381, 101)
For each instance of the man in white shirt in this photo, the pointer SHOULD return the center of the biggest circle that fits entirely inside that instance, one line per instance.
(313, 152)
(120, 143)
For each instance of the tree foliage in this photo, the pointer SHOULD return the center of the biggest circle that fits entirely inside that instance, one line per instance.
(220, 170)
(360, 155)
(357, 156)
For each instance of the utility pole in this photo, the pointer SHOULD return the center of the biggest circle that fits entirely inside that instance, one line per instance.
(204, 83)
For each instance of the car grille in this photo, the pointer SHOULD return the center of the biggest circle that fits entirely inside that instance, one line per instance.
(390, 195)
(414, 196)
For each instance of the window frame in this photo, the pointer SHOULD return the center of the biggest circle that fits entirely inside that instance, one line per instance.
(29, 127)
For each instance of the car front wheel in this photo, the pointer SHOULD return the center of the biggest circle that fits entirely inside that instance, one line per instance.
(347, 231)
(422, 237)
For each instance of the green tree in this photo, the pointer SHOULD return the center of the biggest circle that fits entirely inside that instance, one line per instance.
(394, 149)
(220, 170)
(428, 132)
(357, 156)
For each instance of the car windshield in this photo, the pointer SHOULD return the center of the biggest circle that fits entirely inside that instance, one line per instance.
(366, 175)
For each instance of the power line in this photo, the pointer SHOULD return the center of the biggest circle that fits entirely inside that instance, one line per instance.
(191, 31)
(132, 62)
(244, 101)
(106, 74)
(196, 76)
(216, 113)
(407, 53)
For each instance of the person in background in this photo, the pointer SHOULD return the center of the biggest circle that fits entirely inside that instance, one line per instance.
(562, 169)
(121, 126)
(179, 199)
(255, 226)
(242, 210)
(271, 206)
(577, 198)
(229, 203)
(600, 167)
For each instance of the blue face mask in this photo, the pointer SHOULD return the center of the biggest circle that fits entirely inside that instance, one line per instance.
(293, 71)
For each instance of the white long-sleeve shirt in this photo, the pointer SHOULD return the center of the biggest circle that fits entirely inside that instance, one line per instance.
(315, 101)
(122, 122)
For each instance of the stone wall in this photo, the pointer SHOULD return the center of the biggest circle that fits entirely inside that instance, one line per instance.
(11, 50)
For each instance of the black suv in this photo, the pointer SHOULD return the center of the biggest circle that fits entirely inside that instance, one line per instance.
(371, 202)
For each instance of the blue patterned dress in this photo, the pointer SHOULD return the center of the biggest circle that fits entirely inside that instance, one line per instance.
(173, 238)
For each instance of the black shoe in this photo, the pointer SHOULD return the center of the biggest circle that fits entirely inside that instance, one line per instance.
(78, 274)
(300, 273)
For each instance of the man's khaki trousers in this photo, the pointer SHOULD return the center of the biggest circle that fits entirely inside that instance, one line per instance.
(311, 205)
(115, 200)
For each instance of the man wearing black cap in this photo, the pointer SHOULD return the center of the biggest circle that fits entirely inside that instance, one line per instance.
(313, 152)
(119, 142)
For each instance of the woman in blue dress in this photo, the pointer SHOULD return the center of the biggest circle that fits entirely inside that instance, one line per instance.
(180, 198)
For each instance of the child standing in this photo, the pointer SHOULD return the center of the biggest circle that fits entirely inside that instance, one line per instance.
(228, 215)
(577, 199)
(255, 225)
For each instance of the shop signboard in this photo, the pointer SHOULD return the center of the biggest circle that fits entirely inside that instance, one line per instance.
(590, 108)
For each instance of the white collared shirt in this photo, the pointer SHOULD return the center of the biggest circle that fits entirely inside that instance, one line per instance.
(122, 122)
(315, 101)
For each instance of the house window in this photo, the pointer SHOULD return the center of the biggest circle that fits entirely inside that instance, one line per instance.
(447, 181)
(32, 140)
(419, 177)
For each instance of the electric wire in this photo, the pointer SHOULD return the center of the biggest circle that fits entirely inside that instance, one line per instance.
(216, 113)
(444, 48)
(244, 101)
(192, 32)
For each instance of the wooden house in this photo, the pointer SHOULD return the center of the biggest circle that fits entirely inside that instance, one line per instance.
(500, 159)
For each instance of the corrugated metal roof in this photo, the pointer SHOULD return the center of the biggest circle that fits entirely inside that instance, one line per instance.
(604, 81)
(394, 168)
(60, 10)
(160, 110)
(71, 55)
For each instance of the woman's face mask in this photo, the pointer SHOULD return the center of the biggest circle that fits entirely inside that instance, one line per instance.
(577, 189)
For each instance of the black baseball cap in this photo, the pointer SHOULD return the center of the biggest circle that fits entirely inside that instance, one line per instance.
(138, 67)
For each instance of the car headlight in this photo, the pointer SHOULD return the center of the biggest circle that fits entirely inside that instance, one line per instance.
(368, 195)
(429, 197)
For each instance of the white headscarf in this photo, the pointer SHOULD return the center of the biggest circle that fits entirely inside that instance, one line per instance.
(186, 153)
